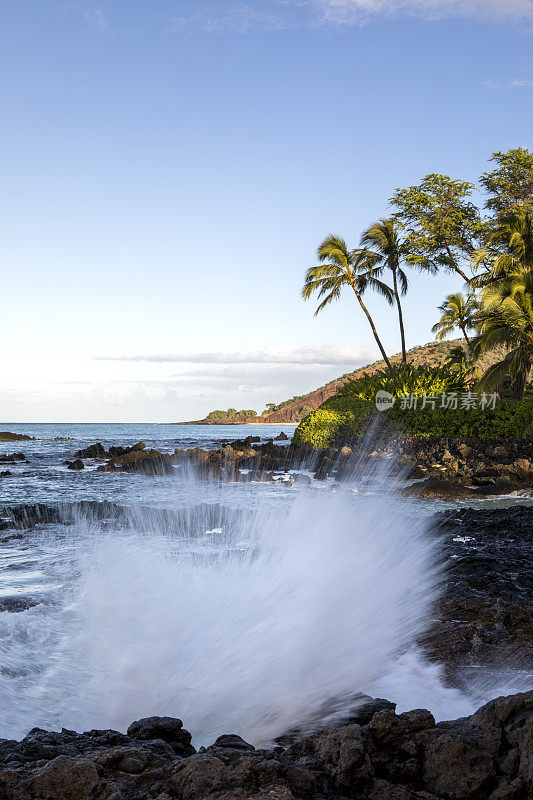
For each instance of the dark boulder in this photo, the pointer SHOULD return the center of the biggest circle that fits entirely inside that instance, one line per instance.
(233, 742)
(151, 462)
(7, 436)
(168, 729)
(12, 457)
(93, 451)
(77, 464)
(116, 451)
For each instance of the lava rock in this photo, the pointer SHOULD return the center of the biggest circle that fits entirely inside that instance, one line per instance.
(12, 457)
(7, 436)
(77, 464)
(166, 728)
(93, 451)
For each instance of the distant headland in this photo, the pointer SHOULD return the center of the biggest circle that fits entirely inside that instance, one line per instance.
(297, 408)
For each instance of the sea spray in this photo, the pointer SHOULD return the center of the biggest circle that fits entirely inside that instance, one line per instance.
(253, 622)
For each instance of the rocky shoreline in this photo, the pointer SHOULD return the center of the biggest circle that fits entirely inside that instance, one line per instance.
(376, 755)
(433, 468)
(483, 619)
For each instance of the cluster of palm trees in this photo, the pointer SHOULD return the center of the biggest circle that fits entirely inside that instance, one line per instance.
(497, 309)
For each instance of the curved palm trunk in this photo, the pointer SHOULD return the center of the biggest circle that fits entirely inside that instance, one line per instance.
(519, 383)
(400, 315)
(467, 340)
(374, 331)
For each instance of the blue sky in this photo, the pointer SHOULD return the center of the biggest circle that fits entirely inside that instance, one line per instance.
(170, 167)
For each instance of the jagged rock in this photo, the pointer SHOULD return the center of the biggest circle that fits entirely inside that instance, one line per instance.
(116, 451)
(93, 451)
(390, 757)
(149, 461)
(77, 464)
(7, 436)
(10, 458)
(233, 742)
(282, 437)
(166, 728)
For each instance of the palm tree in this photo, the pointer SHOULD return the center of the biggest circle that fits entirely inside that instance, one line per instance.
(385, 249)
(340, 267)
(507, 297)
(507, 320)
(457, 312)
(460, 361)
(509, 249)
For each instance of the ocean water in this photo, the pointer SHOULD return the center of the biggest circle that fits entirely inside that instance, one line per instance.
(239, 607)
(44, 477)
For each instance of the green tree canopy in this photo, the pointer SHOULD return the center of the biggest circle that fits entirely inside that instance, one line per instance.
(510, 184)
(442, 225)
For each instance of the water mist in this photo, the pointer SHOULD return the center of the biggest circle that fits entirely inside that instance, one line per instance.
(253, 623)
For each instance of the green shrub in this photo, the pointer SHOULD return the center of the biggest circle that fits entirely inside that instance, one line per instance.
(347, 413)
(338, 415)
(408, 380)
(509, 419)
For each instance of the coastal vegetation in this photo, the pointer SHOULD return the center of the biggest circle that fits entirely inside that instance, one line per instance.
(433, 227)
(231, 415)
(347, 414)
(436, 226)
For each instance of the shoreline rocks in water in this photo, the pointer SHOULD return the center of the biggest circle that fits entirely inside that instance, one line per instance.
(484, 616)
(8, 436)
(438, 469)
(387, 757)
(11, 458)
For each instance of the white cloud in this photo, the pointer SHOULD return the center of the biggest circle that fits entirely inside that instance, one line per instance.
(324, 355)
(239, 18)
(88, 12)
(349, 12)
(513, 84)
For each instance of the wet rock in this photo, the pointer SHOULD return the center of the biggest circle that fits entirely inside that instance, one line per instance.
(166, 728)
(233, 742)
(485, 615)
(11, 458)
(151, 462)
(390, 757)
(436, 488)
(116, 451)
(77, 464)
(7, 436)
(93, 451)
(282, 437)
(63, 778)
(5, 473)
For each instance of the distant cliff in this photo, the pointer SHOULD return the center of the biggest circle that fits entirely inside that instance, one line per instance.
(432, 354)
